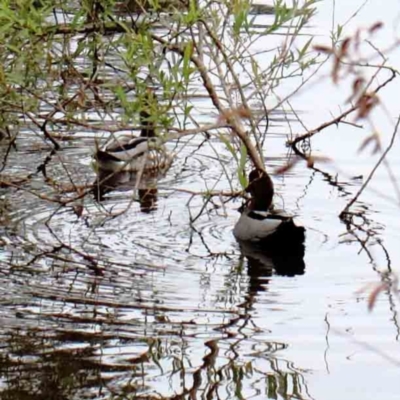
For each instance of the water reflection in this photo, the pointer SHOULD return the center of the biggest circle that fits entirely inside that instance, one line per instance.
(145, 185)
(86, 372)
(264, 263)
(282, 251)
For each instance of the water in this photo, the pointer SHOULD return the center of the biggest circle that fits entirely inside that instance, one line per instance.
(105, 300)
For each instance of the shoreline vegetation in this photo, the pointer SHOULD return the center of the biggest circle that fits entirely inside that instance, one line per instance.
(82, 274)
(64, 63)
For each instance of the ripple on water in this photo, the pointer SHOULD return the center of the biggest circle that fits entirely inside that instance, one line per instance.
(159, 291)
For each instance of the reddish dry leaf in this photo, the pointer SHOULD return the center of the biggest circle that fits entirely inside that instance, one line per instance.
(335, 71)
(243, 112)
(238, 112)
(323, 49)
(344, 48)
(287, 167)
(366, 142)
(223, 117)
(358, 84)
(365, 104)
(310, 163)
(357, 39)
(377, 149)
(313, 159)
(375, 27)
(374, 295)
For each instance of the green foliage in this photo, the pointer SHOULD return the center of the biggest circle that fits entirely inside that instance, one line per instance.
(192, 15)
(284, 14)
(241, 167)
(187, 70)
(240, 10)
(102, 59)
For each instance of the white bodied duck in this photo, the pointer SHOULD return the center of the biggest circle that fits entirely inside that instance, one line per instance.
(128, 153)
(274, 232)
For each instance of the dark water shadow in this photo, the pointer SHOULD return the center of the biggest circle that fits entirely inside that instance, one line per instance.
(124, 181)
(262, 264)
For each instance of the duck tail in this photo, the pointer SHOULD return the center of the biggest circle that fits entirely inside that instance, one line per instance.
(294, 236)
(287, 239)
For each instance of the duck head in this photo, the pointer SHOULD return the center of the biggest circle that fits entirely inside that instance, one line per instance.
(147, 125)
(148, 109)
(261, 189)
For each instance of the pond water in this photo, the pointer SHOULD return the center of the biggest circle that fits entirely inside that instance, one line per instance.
(108, 299)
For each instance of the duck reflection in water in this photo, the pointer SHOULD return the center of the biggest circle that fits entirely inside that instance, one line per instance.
(268, 238)
(124, 181)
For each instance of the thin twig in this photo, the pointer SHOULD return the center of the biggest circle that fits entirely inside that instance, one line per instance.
(338, 119)
(365, 184)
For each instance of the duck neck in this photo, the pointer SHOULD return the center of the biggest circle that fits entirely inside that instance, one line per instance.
(261, 189)
(260, 204)
(148, 131)
(147, 126)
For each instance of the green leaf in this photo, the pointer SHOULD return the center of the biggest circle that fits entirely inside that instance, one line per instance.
(229, 146)
(242, 163)
(240, 11)
(186, 70)
(303, 51)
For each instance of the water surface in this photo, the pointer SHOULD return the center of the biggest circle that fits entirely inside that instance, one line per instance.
(104, 300)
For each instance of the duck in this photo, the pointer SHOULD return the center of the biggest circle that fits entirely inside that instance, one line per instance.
(264, 228)
(127, 181)
(125, 152)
